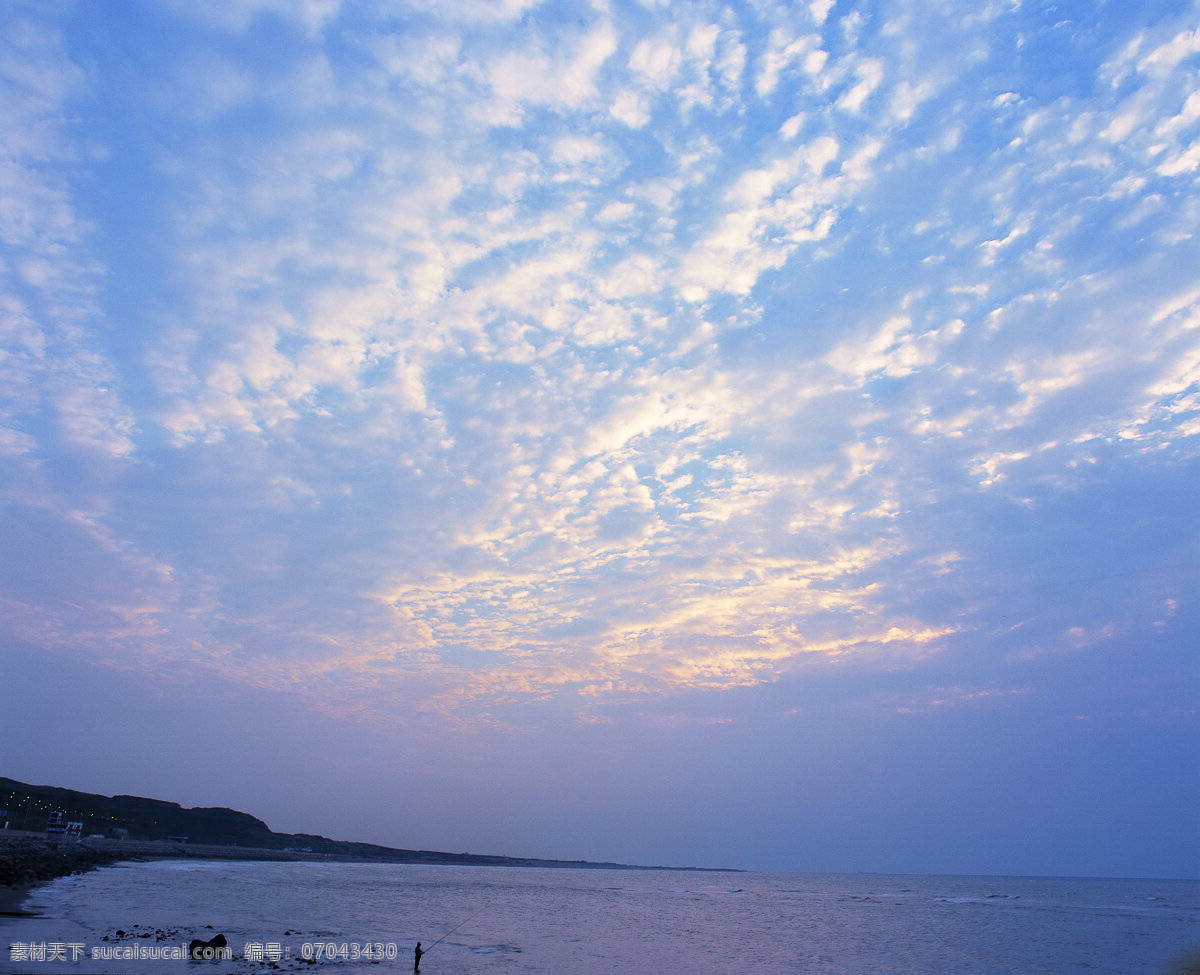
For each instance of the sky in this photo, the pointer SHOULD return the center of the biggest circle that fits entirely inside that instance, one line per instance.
(751, 434)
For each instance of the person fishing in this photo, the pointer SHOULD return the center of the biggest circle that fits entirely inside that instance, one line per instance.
(419, 952)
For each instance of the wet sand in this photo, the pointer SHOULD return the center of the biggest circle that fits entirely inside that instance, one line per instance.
(11, 899)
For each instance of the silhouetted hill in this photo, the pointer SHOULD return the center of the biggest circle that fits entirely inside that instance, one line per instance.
(136, 817)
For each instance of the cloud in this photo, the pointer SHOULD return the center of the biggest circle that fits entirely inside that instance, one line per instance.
(505, 356)
(55, 369)
(782, 53)
(564, 77)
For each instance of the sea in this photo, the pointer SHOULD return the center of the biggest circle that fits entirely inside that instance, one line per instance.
(361, 918)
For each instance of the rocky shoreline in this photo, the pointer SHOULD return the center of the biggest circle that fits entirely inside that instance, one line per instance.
(29, 860)
(25, 861)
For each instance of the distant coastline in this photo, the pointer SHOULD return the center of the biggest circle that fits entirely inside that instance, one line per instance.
(88, 830)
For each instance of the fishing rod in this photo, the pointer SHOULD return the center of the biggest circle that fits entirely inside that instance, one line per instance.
(451, 931)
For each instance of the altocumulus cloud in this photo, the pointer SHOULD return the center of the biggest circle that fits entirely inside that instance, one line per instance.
(457, 357)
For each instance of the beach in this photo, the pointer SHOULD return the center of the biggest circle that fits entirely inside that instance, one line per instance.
(11, 899)
(349, 918)
(334, 913)
(29, 859)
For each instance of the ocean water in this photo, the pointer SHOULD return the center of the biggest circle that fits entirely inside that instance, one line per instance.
(354, 919)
